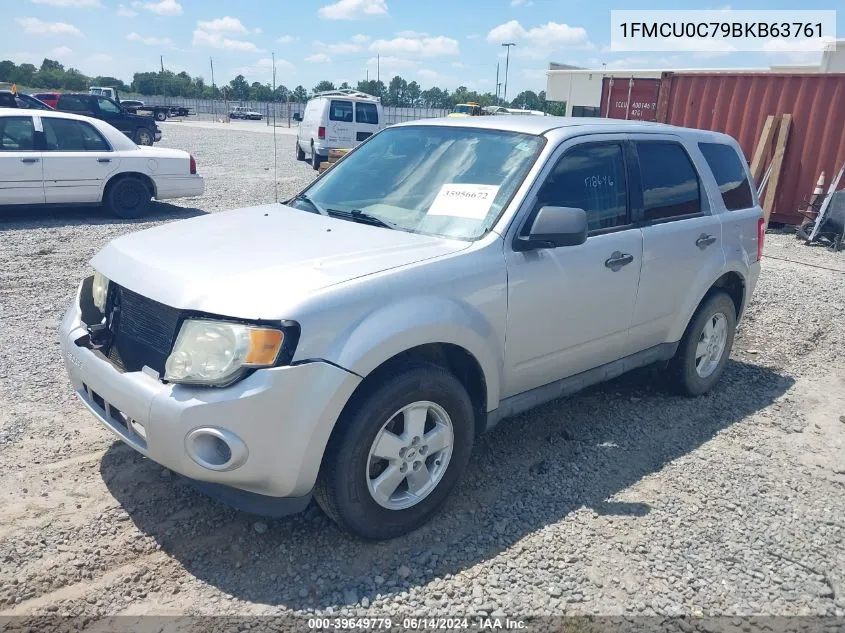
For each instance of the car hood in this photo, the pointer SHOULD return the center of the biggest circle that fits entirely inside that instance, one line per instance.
(258, 262)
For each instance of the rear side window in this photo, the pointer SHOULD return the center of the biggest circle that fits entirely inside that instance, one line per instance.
(590, 177)
(340, 111)
(71, 103)
(366, 113)
(670, 182)
(730, 175)
(17, 134)
(67, 135)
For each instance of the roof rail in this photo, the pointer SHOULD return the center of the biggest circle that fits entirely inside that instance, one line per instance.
(347, 92)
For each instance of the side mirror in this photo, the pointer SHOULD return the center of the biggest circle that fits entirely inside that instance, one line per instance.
(554, 227)
(297, 116)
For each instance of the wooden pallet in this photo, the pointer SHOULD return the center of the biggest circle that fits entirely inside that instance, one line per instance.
(334, 156)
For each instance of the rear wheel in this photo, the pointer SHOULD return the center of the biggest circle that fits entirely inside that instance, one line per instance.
(128, 197)
(143, 136)
(300, 155)
(316, 159)
(161, 115)
(397, 455)
(704, 351)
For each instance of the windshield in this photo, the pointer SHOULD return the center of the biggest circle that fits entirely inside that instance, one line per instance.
(448, 181)
(462, 109)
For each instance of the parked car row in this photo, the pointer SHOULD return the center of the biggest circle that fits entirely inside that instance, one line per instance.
(57, 158)
(353, 342)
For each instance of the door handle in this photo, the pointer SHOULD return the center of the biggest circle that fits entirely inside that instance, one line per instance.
(704, 241)
(29, 161)
(617, 260)
(104, 160)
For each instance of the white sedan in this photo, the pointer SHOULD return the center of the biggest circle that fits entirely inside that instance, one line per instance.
(55, 158)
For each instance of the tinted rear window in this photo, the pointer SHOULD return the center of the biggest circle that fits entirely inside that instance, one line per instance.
(670, 182)
(340, 111)
(730, 175)
(72, 103)
(366, 113)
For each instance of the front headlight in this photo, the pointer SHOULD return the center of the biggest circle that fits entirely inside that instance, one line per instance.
(217, 352)
(100, 290)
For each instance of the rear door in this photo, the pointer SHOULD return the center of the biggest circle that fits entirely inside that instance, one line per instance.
(77, 161)
(682, 239)
(340, 131)
(366, 120)
(21, 175)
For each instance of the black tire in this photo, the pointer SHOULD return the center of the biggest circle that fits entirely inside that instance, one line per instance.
(128, 197)
(316, 159)
(682, 369)
(300, 155)
(143, 136)
(342, 489)
(161, 115)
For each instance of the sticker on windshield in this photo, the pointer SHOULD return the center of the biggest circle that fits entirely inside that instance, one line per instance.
(463, 200)
(525, 147)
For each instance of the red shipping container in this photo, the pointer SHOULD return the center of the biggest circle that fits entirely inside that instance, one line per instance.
(630, 98)
(738, 104)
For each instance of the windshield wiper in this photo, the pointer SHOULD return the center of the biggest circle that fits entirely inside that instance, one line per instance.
(356, 215)
(307, 200)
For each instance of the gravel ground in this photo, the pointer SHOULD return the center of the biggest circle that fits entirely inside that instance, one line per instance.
(622, 500)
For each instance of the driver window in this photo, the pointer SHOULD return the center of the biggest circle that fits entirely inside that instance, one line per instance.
(68, 135)
(590, 177)
(107, 106)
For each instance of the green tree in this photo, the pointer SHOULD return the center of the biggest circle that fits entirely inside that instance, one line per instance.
(413, 94)
(396, 92)
(239, 89)
(8, 70)
(323, 86)
(528, 100)
(344, 86)
(260, 92)
(75, 80)
(372, 87)
(300, 95)
(25, 75)
(51, 64)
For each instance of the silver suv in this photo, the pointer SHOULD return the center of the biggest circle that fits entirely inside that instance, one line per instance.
(353, 342)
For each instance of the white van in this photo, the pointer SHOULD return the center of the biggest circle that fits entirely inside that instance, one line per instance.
(337, 119)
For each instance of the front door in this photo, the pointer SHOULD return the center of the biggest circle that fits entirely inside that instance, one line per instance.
(21, 175)
(682, 240)
(569, 308)
(340, 132)
(114, 115)
(77, 161)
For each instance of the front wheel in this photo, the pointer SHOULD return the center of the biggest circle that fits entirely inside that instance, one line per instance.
(300, 155)
(143, 136)
(704, 351)
(397, 455)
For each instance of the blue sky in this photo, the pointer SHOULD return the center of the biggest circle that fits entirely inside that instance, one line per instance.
(436, 42)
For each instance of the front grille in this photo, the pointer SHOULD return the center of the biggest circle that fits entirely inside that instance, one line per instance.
(143, 331)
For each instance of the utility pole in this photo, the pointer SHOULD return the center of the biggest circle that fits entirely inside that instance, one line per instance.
(163, 87)
(378, 69)
(497, 83)
(507, 45)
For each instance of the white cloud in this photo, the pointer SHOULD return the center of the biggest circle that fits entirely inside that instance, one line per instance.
(353, 9)
(258, 30)
(125, 12)
(61, 52)
(71, 4)
(318, 58)
(427, 73)
(213, 34)
(99, 58)
(225, 24)
(263, 69)
(162, 7)
(390, 62)
(287, 39)
(34, 26)
(542, 39)
(419, 47)
(411, 34)
(354, 45)
(522, 3)
(150, 41)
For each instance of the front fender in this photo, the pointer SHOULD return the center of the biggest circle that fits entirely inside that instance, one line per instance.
(395, 328)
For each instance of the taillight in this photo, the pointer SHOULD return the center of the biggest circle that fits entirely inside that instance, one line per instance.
(761, 237)
(193, 165)
(321, 133)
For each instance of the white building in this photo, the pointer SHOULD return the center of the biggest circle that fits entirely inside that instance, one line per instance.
(581, 88)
